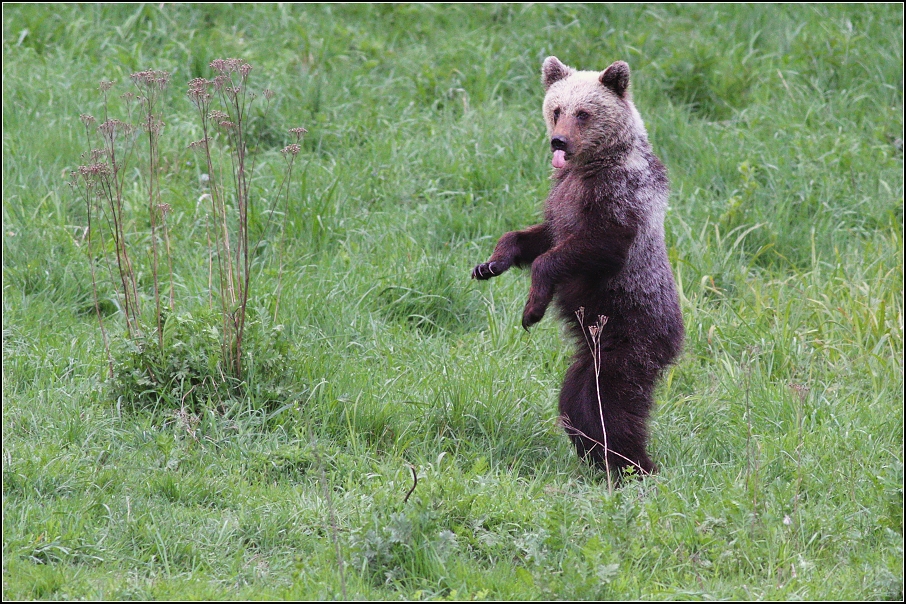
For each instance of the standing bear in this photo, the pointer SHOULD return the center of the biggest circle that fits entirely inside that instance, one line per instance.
(600, 255)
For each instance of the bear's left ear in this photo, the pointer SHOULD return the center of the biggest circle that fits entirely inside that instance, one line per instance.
(616, 77)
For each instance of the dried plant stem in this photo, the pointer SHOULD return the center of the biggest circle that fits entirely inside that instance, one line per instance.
(289, 155)
(102, 181)
(594, 344)
(94, 281)
(164, 209)
(799, 410)
(230, 88)
(152, 126)
(802, 393)
(231, 245)
(751, 448)
(334, 530)
(221, 248)
(106, 175)
(151, 214)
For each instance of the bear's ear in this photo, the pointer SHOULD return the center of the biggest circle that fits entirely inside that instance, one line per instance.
(552, 70)
(616, 77)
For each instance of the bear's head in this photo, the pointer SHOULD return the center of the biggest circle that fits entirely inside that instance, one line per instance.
(589, 114)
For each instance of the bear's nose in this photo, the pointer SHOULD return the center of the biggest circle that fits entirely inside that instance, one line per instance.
(559, 143)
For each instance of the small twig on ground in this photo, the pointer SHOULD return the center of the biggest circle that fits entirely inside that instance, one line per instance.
(414, 483)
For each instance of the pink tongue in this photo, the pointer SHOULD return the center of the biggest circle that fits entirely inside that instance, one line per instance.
(559, 159)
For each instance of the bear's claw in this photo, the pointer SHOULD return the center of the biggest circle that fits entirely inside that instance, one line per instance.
(531, 315)
(485, 271)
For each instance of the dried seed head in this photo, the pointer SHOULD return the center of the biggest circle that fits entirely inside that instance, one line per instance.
(111, 127)
(291, 149)
(199, 144)
(198, 90)
(218, 116)
(153, 124)
(95, 170)
(800, 389)
(298, 132)
(151, 78)
(225, 66)
(219, 81)
(198, 96)
(105, 85)
(87, 119)
(269, 94)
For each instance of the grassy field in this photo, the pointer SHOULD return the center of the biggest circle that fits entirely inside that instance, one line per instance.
(779, 434)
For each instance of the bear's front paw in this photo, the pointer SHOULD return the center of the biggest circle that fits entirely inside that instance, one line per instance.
(532, 314)
(486, 271)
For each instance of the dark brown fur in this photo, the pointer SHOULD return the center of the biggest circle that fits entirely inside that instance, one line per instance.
(601, 249)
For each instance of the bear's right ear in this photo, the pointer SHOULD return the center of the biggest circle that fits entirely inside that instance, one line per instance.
(552, 70)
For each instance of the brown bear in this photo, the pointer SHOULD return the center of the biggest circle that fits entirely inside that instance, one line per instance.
(599, 253)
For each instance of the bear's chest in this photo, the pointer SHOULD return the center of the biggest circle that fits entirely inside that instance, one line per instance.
(567, 208)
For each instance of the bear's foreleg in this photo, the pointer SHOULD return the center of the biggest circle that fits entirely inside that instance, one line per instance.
(516, 248)
(587, 254)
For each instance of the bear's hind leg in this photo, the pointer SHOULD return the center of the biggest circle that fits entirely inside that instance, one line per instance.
(625, 413)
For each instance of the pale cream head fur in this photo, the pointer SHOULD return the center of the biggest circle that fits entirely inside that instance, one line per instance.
(593, 110)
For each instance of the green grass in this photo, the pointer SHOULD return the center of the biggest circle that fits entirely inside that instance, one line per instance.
(779, 434)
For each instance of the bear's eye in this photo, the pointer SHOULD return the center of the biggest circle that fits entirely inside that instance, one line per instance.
(582, 115)
(556, 114)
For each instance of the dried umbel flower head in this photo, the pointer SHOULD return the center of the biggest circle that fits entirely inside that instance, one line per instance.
(269, 94)
(199, 144)
(151, 78)
(799, 389)
(87, 119)
(233, 92)
(95, 155)
(198, 90)
(225, 66)
(112, 127)
(97, 170)
(219, 81)
(595, 329)
(198, 84)
(218, 116)
(298, 133)
(105, 85)
(153, 124)
(291, 149)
